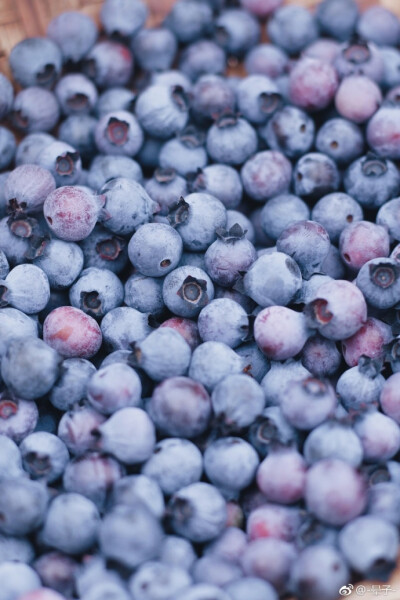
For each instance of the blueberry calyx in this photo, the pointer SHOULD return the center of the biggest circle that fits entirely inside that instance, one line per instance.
(117, 131)
(180, 97)
(77, 101)
(179, 213)
(191, 137)
(47, 75)
(165, 175)
(21, 120)
(314, 387)
(3, 296)
(371, 367)
(180, 510)
(65, 163)
(383, 275)
(91, 303)
(269, 102)
(374, 166)
(317, 312)
(110, 248)
(196, 181)
(39, 463)
(22, 226)
(8, 408)
(194, 291)
(357, 51)
(227, 119)
(234, 234)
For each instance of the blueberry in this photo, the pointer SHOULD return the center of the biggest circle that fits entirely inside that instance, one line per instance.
(272, 430)
(258, 588)
(362, 241)
(57, 571)
(71, 524)
(280, 332)
(280, 211)
(319, 572)
(270, 560)
(16, 549)
(379, 435)
(211, 96)
(275, 521)
(292, 28)
(26, 288)
(315, 175)
(144, 293)
(115, 99)
(44, 456)
(165, 187)
(258, 98)
(230, 464)
(92, 475)
(266, 174)
(108, 64)
(236, 31)
(370, 340)
(123, 326)
(19, 579)
(281, 476)
(389, 397)
(338, 311)
(212, 361)
(197, 219)
(341, 140)
(333, 440)
(30, 367)
(96, 292)
(381, 135)
(369, 545)
(215, 570)
(379, 25)
(378, 280)
(186, 290)
(172, 77)
(74, 32)
(391, 61)
(35, 110)
(8, 147)
(162, 111)
(338, 18)
(177, 551)
(181, 407)
(185, 153)
(202, 591)
(353, 88)
(360, 56)
(155, 49)
(27, 187)
(189, 20)
(123, 18)
(81, 339)
(79, 132)
(229, 256)
(132, 488)
(127, 205)
(321, 356)
(23, 505)
(335, 211)
(130, 535)
(290, 130)
(155, 249)
(157, 580)
(384, 501)
(202, 57)
(309, 402)
(221, 181)
(14, 246)
(223, 320)
(18, 418)
(187, 328)
(197, 512)
(4, 266)
(118, 132)
(76, 428)
(231, 140)
(36, 61)
(313, 83)
(7, 96)
(29, 148)
(76, 94)
(273, 279)
(11, 460)
(335, 491)
(114, 387)
(163, 353)
(110, 166)
(387, 217)
(161, 465)
(266, 59)
(62, 263)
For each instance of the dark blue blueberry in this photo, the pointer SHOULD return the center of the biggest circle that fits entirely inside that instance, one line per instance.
(123, 326)
(123, 18)
(155, 49)
(266, 174)
(163, 353)
(155, 249)
(186, 290)
(70, 387)
(167, 454)
(76, 94)
(165, 187)
(292, 28)
(360, 57)
(26, 189)
(118, 133)
(61, 261)
(306, 241)
(26, 514)
(109, 64)
(221, 181)
(315, 175)
(79, 132)
(341, 140)
(144, 293)
(333, 440)
(104, 168)
(127, 206)
(74, 32)
(44, 456)
(290, 130)
(162, 110)
(29, 148)
(281, 211)
(26, 288)
(273, 279)
(337, 18)
(6, 95)
(388, 217)
(203, 57)
(36, 61)
(266, 59)
(189, 20)
(237, 31)
(335, 211)
(96, 292)
(211, 96)
(391, 61)
(35, 109)
(229, 256)
(379, 281)
(63, 161)
(185, 153)
(223, 320)
(308, 403)
(132, 488)
(8, 147)
(379, 25)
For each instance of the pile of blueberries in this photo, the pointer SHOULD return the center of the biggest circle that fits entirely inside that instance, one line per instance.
(200, 304)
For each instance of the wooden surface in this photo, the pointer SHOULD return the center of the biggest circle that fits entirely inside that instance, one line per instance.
(26, 18)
